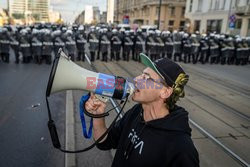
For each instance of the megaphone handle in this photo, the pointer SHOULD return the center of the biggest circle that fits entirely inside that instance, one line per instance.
(82, 104)
(102, 98)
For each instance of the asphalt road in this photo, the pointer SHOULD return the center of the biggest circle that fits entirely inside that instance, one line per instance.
(24, 136)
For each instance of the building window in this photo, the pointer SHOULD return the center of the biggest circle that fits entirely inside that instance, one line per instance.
(197, 24)
(238, 23)
(214, 25)
(211, 4)
(157, 11)
(190, 5)
(171, 22)
(217, 5)
(156, 22)
(172, 11)
(200, 4)
(183, 11)
(223, 4)
(182, 23)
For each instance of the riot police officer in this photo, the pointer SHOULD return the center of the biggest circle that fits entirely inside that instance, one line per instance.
(203, 48)
(14, 43)
(195, 48)
(187, 48)
(25, 46)
(214, 50)
(116, 44)
(47, 47)
(93, 40)
(140, 42)
(159, 44)
(127, 46)
(151, 45)
(169, 44)
(80, 43)
(104, 44)
(36, 46)
(5, 44)
(177, 45)
(58, 40)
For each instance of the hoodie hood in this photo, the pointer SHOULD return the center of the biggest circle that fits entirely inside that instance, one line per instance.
(176, 121)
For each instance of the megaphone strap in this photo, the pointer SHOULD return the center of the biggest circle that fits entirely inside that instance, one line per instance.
(86, 134)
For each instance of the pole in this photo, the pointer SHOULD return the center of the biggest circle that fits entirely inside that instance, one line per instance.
(117, 13)
(159, 15)
(229, 13)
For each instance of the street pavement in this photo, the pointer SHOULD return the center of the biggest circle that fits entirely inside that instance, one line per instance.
(24, 136)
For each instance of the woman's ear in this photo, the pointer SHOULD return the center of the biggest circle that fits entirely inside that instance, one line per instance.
(166, 92)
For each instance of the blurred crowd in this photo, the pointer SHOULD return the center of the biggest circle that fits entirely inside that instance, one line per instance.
(39, 42)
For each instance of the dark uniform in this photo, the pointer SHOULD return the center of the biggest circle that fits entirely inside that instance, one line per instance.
(177, 46)
(5, 45)
(187, 48)
(15, 45)
(80, 44)
(140, 42)
(47, 48)
(127, 46)
(116, 44)
(151, 46)
(25, 46)
(214, 50)
(36, 46)
(159, 45)
(241, 52)
(104, 45)
(93, 40)
(203, 50)
(169, 45)
(58, 41)
(195, 48)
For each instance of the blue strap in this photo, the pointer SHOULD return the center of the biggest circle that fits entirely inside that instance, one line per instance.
(86, 134)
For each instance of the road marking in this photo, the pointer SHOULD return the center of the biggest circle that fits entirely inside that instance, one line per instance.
(70, 159)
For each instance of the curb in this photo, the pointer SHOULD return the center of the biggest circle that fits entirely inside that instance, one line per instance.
(70, 159)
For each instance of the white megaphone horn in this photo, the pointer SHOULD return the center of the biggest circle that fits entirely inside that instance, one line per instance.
(66, 75)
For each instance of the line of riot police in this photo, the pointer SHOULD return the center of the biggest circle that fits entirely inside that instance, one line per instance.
(38, 42)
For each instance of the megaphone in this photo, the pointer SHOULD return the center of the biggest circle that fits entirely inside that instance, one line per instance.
(66, 75)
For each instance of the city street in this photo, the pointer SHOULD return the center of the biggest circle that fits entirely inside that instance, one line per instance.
(24, 136)
(216, 97)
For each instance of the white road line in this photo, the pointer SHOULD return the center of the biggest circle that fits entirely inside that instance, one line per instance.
(70, 159)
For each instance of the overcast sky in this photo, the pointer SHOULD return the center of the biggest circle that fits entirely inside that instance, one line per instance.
(69, 8)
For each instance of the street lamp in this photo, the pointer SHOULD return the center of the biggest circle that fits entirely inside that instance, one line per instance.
(159, 15)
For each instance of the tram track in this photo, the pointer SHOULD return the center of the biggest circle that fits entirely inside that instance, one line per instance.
(228, 85)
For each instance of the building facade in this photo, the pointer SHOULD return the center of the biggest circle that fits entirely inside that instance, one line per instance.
(92, 15)
(103, 17)
(54, 17)
(145, 12)
(80, 19)
(4, 18)
(110, 11)
(29, 10)
(243, 16)
(221, 16)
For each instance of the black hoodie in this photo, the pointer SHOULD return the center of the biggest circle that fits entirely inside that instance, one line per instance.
(164, 142)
